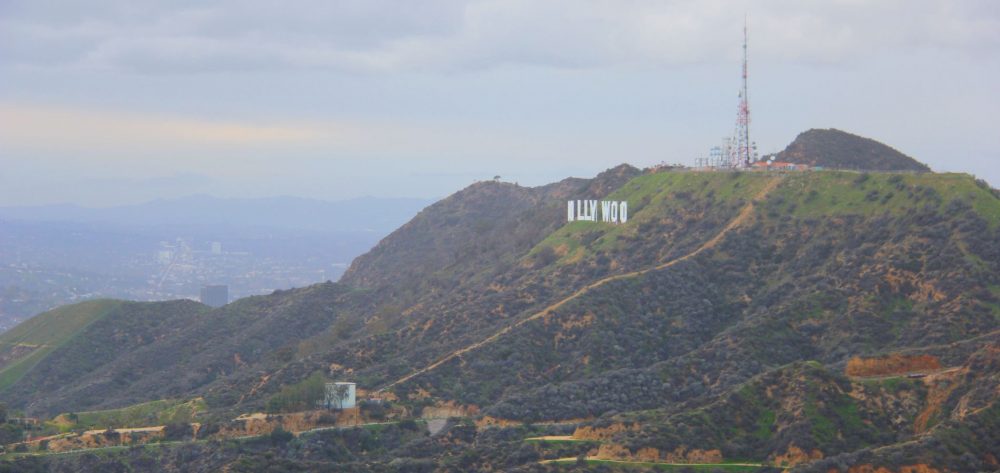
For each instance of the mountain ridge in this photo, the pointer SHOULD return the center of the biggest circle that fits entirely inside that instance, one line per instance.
(836, 149)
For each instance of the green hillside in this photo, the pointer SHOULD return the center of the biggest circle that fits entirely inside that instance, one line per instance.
(660, 204)
(24, 346)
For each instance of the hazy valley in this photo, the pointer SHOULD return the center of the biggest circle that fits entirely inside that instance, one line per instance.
(169, 249)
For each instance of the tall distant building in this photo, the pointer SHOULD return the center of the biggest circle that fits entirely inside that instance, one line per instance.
(216, 295)
(216, 248)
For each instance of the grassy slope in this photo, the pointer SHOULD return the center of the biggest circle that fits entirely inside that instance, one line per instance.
(828, 193)
(46, 332)
(805, 195)
(148, 413)
(653, 197)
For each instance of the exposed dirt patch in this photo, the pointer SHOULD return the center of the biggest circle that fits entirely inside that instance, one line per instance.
(606, 433)
(918, 468)
(443, 410)
(795, 455)
(939, 388)
(894, 364)
(610, 451)
(487, 421)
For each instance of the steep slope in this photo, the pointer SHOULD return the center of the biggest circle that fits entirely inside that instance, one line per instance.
(81, 358)
(26, 345)
(835, 149)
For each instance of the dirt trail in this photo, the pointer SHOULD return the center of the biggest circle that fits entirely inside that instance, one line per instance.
(921, 373)
(740, 219)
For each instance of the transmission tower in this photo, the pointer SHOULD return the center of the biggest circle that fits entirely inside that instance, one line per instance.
(741, 151)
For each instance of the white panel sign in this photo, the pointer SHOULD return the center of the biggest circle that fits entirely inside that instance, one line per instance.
(610, 211)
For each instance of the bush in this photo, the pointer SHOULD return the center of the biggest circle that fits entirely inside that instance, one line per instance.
(280, 436)
(177, 431)
(375, 410)
(208, 429)
(408, 424)
(10, 433)
(112, 435)
(545, 257)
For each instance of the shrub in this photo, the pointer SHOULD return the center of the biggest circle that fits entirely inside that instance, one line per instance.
(177, 431)
(280, 436)
(299, 396)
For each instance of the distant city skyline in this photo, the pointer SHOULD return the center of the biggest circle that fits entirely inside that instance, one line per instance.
(109, 103)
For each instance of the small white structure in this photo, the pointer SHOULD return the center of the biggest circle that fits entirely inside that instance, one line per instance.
(340, 396)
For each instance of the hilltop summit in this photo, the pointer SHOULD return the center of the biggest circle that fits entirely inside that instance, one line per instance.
(832, 148)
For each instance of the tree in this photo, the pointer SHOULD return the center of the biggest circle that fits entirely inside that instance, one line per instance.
(339, 395)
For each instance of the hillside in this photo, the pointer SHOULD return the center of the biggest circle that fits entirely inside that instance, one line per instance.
(716, 323)
(23, 347)
(835, 149)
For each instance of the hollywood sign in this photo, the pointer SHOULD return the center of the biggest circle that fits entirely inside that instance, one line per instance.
(611, 211)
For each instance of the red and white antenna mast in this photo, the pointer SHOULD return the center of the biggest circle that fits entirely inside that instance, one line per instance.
(742, 149)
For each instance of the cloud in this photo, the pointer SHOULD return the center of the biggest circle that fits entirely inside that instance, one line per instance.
(381, 35)
(48, 127)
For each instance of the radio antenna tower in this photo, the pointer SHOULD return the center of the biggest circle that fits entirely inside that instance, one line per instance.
(742, 149)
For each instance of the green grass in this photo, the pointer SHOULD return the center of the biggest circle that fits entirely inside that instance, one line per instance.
(764, 423)
(822, 428)
(151, 413)
(48, 331)
(813, 195)
(829, 193)
(653, 197)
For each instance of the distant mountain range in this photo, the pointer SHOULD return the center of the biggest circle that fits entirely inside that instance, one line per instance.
(813, 321)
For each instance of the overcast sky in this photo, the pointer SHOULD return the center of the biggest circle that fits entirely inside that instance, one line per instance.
(109, 102)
